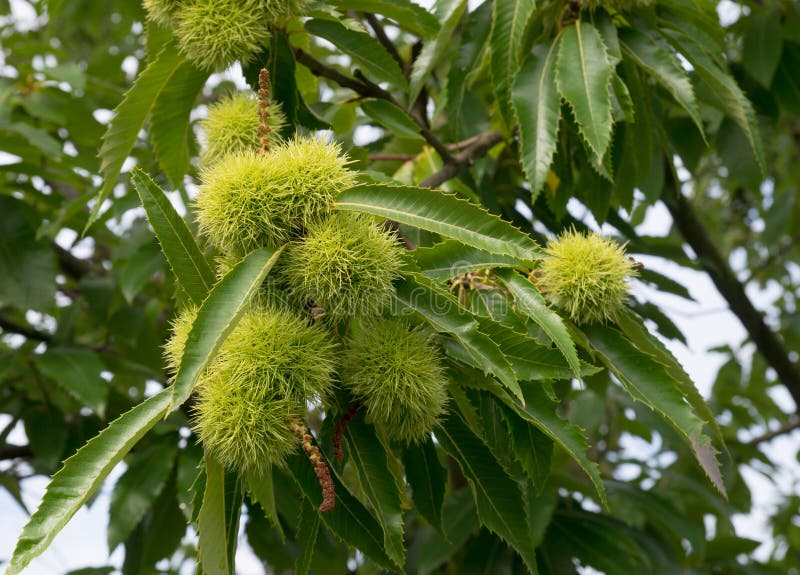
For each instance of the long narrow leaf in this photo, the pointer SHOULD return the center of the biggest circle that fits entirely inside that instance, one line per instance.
(218, 522)
(432, 51)
(530, 302)
(664, 67)
(450, 258)
(442, 214)
(129, 118)
(538, 110)
(583, 75)
(540, 410)
(217, 317)
(509, 19)
(306, 535)
(444, 314)
(349, 520)
(500, 505)
(729, 95)
(407, 14)
(634, 329)
(179, 246)
(427, 479)
(371, 461)
(648, 381)
(366, 52)
(171, 128)
(82, 475)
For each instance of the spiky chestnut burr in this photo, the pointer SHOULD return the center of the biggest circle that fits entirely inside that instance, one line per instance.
(397, 374)
(585, 275)
(161, 12)
(251, 200)
(233, 126)
(262, 376)
(215, 33)
(345, 264)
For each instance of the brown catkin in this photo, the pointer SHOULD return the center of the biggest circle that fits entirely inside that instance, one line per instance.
(264, 97)
(320, 467)
(338, 430)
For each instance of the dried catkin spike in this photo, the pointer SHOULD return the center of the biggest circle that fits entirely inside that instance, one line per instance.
(264, 98)
(320, 467)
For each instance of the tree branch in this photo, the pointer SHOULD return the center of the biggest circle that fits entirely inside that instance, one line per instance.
(716, 266)
(770, 435)
(368, 89)
(478, 147)
(74, 267)
(15, 452)
(380, 34)
(10, 326)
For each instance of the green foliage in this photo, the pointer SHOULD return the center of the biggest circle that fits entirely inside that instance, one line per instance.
(398, 375)
(383, 373)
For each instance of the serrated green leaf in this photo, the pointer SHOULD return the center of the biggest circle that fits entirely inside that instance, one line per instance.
(635, 330)
(367, 53)
(540, 410)
(662, 513)
(433, 50)
(261, 489)
(129, 118)
(391, 117)
(509, 19)
(450, 258)
(77, 370)
(501, 507)
(446, 315)
(349, 520)
(729, 95)
(27, 265)
(371, 462)
(409, 15)
(583, 75)
(664, 67)
(762, 45)
(177, 242)
(428, 479)
(137, 488)
(81, 477)
(441, 213)
(218, 522)
(307, 530)
(531, 303)
(622, 105)
(649, 382)
(537, 108)
(217, 317)
(596, 540)
(465, 65)
(460, 519)
(170, 126)
(532, 448)
(531, 360)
